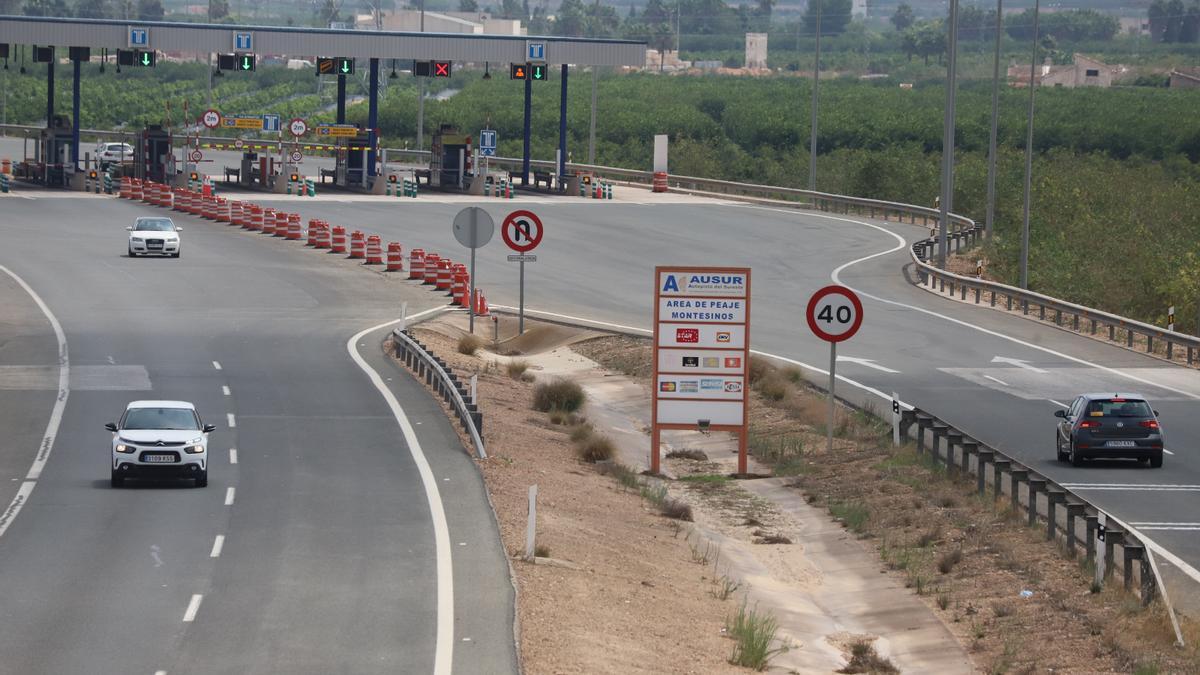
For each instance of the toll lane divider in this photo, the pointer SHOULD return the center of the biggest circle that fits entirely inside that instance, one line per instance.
(428, 268)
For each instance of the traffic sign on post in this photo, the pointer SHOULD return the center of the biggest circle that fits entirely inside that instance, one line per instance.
(538, 71)
(298, 127)
(196, 156)
(270, 122)
(297, 156)
(834, 314)
(211, 119)
(518, 72)
(487, 142)
(243, 42)
(522, 232)
(138, 37)
(473, 227)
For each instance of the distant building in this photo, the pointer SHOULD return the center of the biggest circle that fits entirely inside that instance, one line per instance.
(1134, 25)
(1085, 72)
(858, 9)
(1185, 78)
(668, 61)
(756, 50)
(471, 23)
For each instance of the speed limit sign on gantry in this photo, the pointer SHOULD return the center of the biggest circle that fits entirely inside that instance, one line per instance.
(834, 313)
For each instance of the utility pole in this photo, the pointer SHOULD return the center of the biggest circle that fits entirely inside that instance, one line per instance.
(948, 137)
(989, 222)
(592, 126)
(421, 96)
(1029, 153)
(812, 136)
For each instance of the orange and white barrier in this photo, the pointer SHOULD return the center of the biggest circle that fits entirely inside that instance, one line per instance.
(224, 213)
(461, 288)
(324, 237)
(268, 226)
(358, 245)
(445, 275)
(431, 269)
(235, 213)
(374, 250)
(295, 230)
(210, 208)
(314, 226)
(168, 197)
(281, 224)
(257, 218)
(416, 264)
(395, 257)
(135, 191)
(126, 188)
(338, 244)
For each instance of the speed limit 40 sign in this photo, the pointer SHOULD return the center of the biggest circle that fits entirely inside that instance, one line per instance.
(834, 313)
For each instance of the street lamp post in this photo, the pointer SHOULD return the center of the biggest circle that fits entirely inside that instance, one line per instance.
(948, 137)
(1029, 153)
(990, 221)
(812, 136)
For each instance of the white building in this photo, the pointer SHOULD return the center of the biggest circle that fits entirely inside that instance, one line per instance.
(756, 50)
(474, 23)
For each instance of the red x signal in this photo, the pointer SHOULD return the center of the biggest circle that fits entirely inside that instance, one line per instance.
(441, 69)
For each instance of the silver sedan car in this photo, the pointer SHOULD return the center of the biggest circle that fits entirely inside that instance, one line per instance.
(154, 236)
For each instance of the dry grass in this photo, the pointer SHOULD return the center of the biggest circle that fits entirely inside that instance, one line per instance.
(516, 369)
(697, 455)
(595, 448)
(469, 344)
(560, 395)
(864, 659)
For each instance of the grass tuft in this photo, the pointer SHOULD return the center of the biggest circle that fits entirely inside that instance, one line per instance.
(754, 636)
(469, 344)
(595, 448)
(560, 394)
(948, 560)
(864, 659)
(580, 432)
(854, 515)
(697, 455)
(516, 369)
(675, 510)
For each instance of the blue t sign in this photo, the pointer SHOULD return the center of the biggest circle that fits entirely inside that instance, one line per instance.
(487, 142)
(243, 42)
(537, 51)
(139, 37)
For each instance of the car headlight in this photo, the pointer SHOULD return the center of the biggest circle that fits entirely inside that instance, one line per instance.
(122, 447)
(194, 449)
(137, 239)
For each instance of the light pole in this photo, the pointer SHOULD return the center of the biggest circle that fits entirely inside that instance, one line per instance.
(1029, 153)
(990, 221)
(421, 96)
(948, 137)
(812, 136)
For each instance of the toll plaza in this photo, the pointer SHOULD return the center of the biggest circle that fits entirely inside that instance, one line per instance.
(356, 150)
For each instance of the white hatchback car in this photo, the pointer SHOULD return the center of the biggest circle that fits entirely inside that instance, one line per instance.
(154, 235)
(109, 153)
(160, 438)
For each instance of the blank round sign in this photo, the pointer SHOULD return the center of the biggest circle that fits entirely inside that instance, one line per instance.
(834, 313)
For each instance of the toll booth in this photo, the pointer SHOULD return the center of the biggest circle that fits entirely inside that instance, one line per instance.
(153, 158)
(350, 160)
(450, 159)
(54, 153)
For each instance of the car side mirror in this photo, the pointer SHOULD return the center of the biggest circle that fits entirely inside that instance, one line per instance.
(178, 229)
(1060, 413)
(1156, 413)
(111, 426)
(129, 228)
(209, 427)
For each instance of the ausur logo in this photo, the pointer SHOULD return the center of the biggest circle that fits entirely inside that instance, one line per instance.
(671, 282)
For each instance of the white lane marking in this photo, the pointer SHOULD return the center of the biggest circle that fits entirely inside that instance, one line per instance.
(996, 379)
(225, 390)
(229, 496)
(193, 607)
(231, 420)
(14, 508)
(444, 645)
(217, 365)
(1194, 528)
(233, 455)
(1177, 524)
(1061, 405)
(56, 413)
(1159, 487)
(155, 553)
(218, 544)
(160, 672)
(1018, 363)
(865, 362)
(836, 277)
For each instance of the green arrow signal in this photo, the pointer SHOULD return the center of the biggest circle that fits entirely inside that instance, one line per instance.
(537, 72)
(145, 58)
(245, 63)
(345, 66)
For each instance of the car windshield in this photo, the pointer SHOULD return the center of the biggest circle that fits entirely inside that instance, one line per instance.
(1119, 407)
(155, 225)
(161, 418)
(116, 147)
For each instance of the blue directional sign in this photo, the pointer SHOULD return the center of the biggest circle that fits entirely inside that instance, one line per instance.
(536, 51)
(487, 142)
(139, 37)
(270, 123)
(243, 42)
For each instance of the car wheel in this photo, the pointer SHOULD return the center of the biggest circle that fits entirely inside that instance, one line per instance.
(1076, 458)
(131, 253)
(1156, 460)
(202, 479)
(1062, 456)
(117, 479)
(175, 255)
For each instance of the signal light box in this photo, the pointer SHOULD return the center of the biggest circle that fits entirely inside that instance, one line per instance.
(235, 62)
(335, 66)
(136, 58)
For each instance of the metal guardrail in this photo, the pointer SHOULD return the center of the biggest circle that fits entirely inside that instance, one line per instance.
(1156, 340)
(962, 454)
(438, 375)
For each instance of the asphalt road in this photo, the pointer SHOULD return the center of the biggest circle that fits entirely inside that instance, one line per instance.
(596, 262)
(317, 546)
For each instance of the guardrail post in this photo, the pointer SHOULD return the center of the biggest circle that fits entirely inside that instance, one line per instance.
(923, 422)
(999, 468)
(1016, 477)
(993, 298)
(1092, 523)
(907, 419)
(954, 437)
(1075, 323)
(1054, 497)
(977, 296)
(970, 448)
(938, 430)
(1112, 538)
(1074, 510)
(1130, 553)
(1009, 299)
(1170, 349)
(1149, 344)
(1149, 587)
(1041, 312)
(1036, 485)
(964, 291)
(1024, 307)
(1057, 317)
(1189, 355)
(1129, 338)
(1112, 332)
(983, 457)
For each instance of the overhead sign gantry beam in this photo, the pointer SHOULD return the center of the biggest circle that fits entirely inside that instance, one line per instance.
(274, 40)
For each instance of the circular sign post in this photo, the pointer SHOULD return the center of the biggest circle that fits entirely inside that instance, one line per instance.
(298, 127)
(296, 156)
(211, 119)
(522, 231)
(834, 314)
(197, 155)
(473, 227)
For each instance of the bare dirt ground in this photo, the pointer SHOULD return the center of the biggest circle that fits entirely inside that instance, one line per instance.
(636, 599)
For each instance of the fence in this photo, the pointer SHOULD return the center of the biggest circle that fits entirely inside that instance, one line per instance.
(441, 378)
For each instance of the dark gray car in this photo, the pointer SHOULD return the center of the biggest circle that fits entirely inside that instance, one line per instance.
(1109, 426)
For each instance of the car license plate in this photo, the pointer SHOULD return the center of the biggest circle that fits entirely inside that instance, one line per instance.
(157, 458)
(1122, 444)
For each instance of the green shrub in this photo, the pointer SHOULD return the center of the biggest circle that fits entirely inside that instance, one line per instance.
(853, 514)
(753, 633)
(559, 394)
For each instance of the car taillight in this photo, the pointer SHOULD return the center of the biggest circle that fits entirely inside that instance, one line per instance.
(1089, 424)
(1150, 424)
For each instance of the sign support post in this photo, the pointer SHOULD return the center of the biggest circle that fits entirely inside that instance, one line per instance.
(522, 231)
(832, 398)
(834, 314)
(473, 227)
